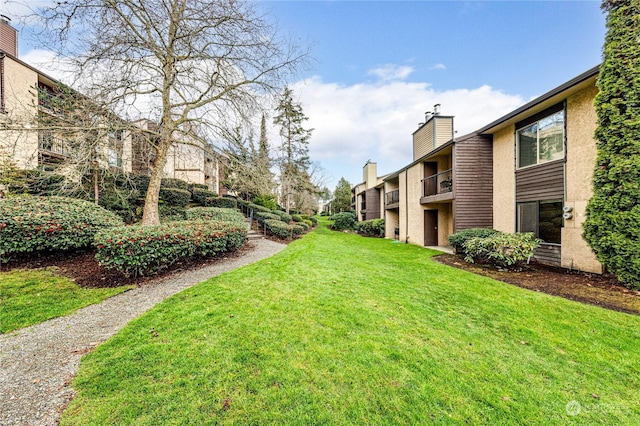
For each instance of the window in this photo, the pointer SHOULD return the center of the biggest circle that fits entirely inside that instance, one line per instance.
(543, 218)
(114, 158)
(541, 141)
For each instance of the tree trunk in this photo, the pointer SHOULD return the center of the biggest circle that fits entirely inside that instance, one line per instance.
(151, 215)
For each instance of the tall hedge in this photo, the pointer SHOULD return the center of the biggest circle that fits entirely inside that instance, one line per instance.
(612, 227)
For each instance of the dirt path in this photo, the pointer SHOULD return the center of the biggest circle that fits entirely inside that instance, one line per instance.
(38, 363)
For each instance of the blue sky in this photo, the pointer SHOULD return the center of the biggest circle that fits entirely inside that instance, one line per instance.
(379, 65)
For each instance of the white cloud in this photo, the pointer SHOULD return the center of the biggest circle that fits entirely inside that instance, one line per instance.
(355, 123)
(390, 72)
(438, 66)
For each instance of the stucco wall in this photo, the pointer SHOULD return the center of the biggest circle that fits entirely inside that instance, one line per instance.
(402, 216)
(581, 156)
(415, 209)
(20, 147)
(391, 221)
(504, 180)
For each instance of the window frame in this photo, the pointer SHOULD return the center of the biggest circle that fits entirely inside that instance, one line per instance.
(537, 218)
(535, 121)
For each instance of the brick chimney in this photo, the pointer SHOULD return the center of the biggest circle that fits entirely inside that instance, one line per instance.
(8, 36)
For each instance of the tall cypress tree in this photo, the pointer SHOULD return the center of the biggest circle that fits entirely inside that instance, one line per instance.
(612, 227)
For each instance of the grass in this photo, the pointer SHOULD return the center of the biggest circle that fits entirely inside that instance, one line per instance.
(341, 329)
(29, 297)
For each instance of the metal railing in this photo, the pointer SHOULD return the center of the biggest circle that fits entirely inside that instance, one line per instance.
(392, 197)
(48, 142)
(440, 183)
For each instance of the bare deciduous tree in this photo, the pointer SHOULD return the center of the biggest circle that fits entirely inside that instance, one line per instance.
(184, 64)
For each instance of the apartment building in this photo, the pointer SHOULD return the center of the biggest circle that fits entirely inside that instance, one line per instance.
(45, 124)
(367, 197)
(528, 171)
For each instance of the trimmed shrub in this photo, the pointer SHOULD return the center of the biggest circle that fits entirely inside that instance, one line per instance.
(171, 213)
(201, 196)
(345, 221)
(458, 239)
(314, 220)
(193, 186)
(226, 203)
(142, 250)
(282, 230)
(371, 228)
(297, 217)
(502, 249)
(175, 196)
(30, 224)
(257, 208)
(262, 216)
(215, 214)
(286, 218)
(303, 225)
(173, 183)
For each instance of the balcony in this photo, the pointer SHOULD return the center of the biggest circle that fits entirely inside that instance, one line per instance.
(363, 206)
(53, 145)
(437, 188)
(392, 199)
(51, 102)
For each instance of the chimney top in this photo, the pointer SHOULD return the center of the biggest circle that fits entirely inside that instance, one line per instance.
(8, 36)
(436, 109)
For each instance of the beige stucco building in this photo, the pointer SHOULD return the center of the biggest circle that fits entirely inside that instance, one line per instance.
(543, 160)
(529, 171)
(41, 125)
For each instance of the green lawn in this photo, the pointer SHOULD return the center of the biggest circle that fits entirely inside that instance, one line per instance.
(29, 297)
(340, 329)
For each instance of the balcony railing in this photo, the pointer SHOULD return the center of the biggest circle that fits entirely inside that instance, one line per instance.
(47, 142)
(392, 197)
(54, 103)
(437, 184)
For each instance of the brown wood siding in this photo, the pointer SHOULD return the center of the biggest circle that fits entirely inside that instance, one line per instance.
(473, 183)
(543, 182)
(549, 254)
(372, 197)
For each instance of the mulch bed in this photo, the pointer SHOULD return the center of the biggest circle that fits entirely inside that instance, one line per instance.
(600, 290)
(82, 267)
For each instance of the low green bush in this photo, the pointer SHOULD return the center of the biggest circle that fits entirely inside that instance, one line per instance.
(142, 250)
(169, 213)
(262, 216)
(174, 183)
(345, 221)
(371, 228)
(458, 239)
(193, 186)
(201, 196)
(257, 208)
(303, 225)
(175, 196)
(282, 230)
(502, 249)
(313, 220)
(297, 218)
(222, 202)
(31, 224)
(286, 218)
(215, 214)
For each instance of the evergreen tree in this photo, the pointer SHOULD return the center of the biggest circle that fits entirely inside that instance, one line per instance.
(294, 151)
(342, 197)
(612, 227)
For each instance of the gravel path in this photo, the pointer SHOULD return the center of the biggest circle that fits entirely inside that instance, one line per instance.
(37, 363)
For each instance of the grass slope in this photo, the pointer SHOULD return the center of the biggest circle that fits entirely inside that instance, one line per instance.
(340, 329)
(29, 297)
